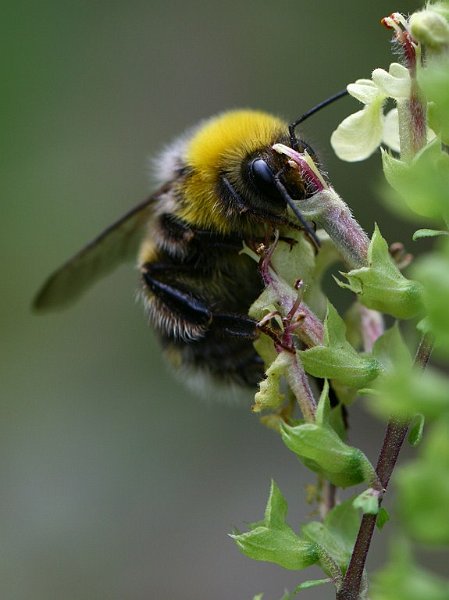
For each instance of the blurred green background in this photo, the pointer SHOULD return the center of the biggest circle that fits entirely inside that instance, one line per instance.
(116, 483)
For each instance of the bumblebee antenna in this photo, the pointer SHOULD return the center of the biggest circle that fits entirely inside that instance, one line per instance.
(289, 200)
(309, 113)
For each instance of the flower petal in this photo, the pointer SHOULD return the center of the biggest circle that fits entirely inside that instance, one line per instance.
(395, 83)
(358, 136)
(363, 90)
(390, 135)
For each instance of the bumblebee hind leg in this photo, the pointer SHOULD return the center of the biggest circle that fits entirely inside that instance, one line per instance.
(195, 333)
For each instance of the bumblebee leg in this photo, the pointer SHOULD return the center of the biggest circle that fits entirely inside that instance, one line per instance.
(172, 310)
(178, 237)
(177, 312)
(234, 325)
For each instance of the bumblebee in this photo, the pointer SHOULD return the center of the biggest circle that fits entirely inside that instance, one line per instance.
(220, 185)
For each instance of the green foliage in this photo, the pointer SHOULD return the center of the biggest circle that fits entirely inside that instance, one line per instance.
(434, 82)
(406, 392)
(305, 585)
(382, 518)
(294, 258)
(381, 286)
(336, 533)
(401, 390)
(336, 358)
(421, 184)
(321, 450)
(432, 271)
(423, 489)
(416, 430)
(402, 579)
(274, 541)
(428, 233)
(391, 350)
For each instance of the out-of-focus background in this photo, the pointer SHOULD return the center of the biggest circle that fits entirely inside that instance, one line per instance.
(115, 482)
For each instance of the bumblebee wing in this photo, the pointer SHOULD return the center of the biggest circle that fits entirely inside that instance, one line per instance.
(118, 243)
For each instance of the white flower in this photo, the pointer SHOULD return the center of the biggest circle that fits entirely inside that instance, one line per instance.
(358, 136)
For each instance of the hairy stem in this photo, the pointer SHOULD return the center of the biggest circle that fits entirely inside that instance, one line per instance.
(394, 438)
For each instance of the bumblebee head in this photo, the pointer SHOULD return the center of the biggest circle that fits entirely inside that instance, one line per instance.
(233, 173)
(266, 170)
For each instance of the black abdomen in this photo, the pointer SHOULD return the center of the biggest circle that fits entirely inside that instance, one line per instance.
(198, 290)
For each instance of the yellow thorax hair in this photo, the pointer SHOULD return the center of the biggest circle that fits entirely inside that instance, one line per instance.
(220, 146)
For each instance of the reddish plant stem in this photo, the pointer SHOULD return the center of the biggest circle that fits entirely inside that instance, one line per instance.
(394, 438)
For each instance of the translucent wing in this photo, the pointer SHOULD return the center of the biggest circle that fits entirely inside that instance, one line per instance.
(118, 243)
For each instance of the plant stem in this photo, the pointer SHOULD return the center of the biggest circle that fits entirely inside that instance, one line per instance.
(394, 438)
(328, 498)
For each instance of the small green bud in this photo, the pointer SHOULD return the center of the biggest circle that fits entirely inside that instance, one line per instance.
(322, 451)
(336, 358)
(430, 28)
(368, 502)
(381, 286)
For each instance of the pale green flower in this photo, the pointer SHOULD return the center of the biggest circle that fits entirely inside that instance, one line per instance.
(360, 134)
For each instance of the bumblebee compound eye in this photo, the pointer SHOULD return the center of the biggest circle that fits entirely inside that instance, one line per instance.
(271, 186)
(264, 180)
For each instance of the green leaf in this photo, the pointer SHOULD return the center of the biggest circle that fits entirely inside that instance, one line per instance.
(336, 534)
(265, 303)
(434, 81)
(274, 541)
(436, 449)
(343, 522)
(432, 272)
(381, 286)
(423, 490)
(319, 534)
(276, 509)
(382, 518)
(401, 579)
(391, 350)
(314, 296)
(422, 183)
(336, 358)
(295, 260)
(321, 450)
(416, 430)
(426, 233)
(324, 407)
(368, 502)
(305, 585)
(409, 391)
